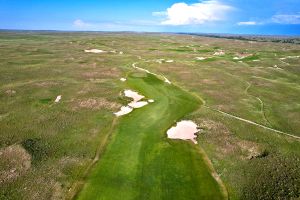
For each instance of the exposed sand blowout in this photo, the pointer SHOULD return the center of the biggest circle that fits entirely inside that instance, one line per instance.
(184, 130)
(94, 51)
(58, 98)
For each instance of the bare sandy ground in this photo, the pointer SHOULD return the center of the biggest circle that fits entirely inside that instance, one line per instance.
(94, 51)
(135, 103)
(184, 130)
(58, 98)
(124, 110)
(123, 79)
(200, 58)
(219, 53)
(169, 61)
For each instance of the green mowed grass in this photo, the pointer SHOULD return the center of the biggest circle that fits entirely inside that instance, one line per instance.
(141, 163)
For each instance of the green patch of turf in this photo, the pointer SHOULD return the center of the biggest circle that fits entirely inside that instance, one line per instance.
(45, 101)
(141, 163)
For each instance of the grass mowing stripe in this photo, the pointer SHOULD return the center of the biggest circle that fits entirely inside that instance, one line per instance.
(141, 163)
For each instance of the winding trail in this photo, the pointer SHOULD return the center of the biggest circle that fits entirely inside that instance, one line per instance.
(253, 123)
(262, 105)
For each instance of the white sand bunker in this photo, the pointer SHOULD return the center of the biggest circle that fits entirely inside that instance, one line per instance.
(200, 58)
(136, 103)
(184, 130)
(58, 98)
(167, 80)
(123, 79)
(124, 110)
(94, 51)
(219, 53)
(169, 61)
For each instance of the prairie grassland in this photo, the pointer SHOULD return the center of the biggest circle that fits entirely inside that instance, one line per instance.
(62, 138)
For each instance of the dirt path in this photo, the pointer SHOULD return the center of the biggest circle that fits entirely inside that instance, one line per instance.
(262, 105)
(254, 123)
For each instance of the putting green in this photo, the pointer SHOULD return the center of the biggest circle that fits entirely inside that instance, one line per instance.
(141, 163)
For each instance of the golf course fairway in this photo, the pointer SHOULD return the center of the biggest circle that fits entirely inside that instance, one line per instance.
(140, 162)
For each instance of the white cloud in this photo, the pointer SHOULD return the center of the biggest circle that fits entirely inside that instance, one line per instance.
(197, 13)
(286, 19)
(159, 13)
(248, 23)
(80, 24)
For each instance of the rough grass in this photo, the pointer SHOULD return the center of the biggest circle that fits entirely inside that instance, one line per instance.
(37, 67)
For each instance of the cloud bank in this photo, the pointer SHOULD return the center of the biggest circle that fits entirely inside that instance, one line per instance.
(248, 23)
(197, 13)
(78, 23)
(286, 19)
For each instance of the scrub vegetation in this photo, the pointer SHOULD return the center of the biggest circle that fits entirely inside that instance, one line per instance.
(77, 147)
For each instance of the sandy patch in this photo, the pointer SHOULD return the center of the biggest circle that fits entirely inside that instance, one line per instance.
(94, 51)
(150, 100)
(160, 61)
(240, 56)
(134, 95)
(219, 53)
(14, 162)
(123, 79)
(58, 98)
(124, 110)
(135, 103)
(200, 58)
(121, 52)
(167, 80)
(138, 104)
(10, 92)
(293, 57)
(276, 67)
(169, 61)
(184, 130)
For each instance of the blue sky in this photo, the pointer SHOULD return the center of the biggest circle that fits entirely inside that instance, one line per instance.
(209, 16)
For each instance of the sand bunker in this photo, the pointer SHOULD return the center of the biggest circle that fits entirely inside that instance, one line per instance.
(219, 53)
(160, 61)
(184, 130)
(94, 51)
(124, 110)
(169, 61)
(58, 98)
(123, 79)
(289, 57)
(150, 100)
(134, 95)
(136, 103)
(167, 80)
(200, 58)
